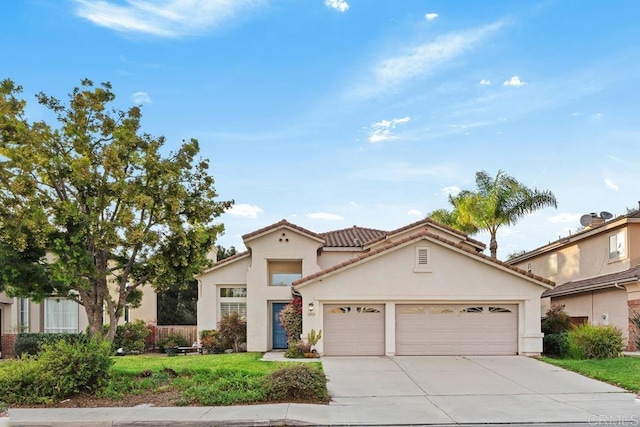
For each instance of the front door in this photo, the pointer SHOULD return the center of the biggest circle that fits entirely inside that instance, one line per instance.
(278, 334)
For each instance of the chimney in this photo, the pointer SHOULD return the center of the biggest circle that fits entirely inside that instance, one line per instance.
(595, 219)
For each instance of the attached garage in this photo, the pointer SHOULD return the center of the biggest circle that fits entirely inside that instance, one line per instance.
(353, 329)
(456, 329)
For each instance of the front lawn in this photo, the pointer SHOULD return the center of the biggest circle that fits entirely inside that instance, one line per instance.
(208, 380)
(622, 371)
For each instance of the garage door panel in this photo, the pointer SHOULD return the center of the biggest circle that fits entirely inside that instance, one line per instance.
(456, 329)
(353, 329)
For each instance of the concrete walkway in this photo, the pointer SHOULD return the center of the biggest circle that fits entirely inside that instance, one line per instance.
(399, 391)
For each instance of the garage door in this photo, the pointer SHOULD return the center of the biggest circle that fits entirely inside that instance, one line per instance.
(353, 330)
(455, 329)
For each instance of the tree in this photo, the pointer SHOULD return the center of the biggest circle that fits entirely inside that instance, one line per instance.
(495, 202)
(226, 253)
(178, 305)
(91, 209)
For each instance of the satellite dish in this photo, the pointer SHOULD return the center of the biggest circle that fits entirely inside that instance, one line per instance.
(586, 220)
(606, 215)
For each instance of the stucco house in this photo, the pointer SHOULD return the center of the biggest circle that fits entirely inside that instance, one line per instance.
(423, 289)
(596, 271)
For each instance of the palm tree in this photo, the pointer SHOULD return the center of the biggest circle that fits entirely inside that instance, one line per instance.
(496, 202)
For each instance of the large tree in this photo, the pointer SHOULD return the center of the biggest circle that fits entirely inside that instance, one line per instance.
(497, 201)
(91, 208)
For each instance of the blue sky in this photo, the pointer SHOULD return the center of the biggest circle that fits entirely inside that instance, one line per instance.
(334, 113)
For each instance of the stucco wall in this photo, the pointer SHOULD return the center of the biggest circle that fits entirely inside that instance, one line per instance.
(330, 258)
(148, 310)
(588, 257)
(454, 277)
(610, 302)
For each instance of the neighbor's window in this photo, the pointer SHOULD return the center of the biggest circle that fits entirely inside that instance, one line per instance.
(618, 245)
(284, 273)
(233, 299)
(23, 314)
(553, 264)
(60, 315)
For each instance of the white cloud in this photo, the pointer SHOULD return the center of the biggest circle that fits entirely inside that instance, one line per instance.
(339, 5)
(597, 115)
(381, 131)
(414, 212)
(610, 184)
(353, 204)
(416, 61)
(244, 210)
(485, 82)
(514, 81)
(577, 114)
(162, 18)
(141, 98)
(452, 190)
(564, 217)
(325, 216)
(403, 172)
(430, 16)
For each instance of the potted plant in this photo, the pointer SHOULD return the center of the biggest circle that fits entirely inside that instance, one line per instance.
(4, 414)
(312, 340)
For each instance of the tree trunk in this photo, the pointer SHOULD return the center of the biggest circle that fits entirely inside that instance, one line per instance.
(94, 316)
(493, 246)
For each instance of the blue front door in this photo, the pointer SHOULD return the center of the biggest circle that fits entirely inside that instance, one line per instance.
(279, 335)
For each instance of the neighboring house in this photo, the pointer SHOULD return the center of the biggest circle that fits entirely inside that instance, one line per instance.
(423, 289)
(596, 271)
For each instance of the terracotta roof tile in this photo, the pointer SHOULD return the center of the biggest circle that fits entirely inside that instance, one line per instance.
(594, 283)
(420, 234)
(282, 223)
(353, 237)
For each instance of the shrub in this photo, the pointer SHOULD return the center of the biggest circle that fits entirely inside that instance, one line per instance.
(296, 350)
(594, 342)
(635, 321)
(210, 341)
(61, 370)
(131, 336)
(313, 337)
(232, 331)
(296, 382)
(31, 343)
(556, 344)
(556, 320)
(172, 341)
(291, 319)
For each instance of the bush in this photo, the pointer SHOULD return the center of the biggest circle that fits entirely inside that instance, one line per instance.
(232, 331)
(296, 350)
(210, 341)
(291, 319)
(635, 321)
(61, 370)
(594, 342)
(297, 382)
(131, 336)
(556, 344)
(172, 341)
(31, 343)
(556, 320)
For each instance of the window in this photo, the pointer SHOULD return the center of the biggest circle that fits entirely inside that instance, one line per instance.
(284, 273)
(422, 260)
(340, 310)
(440, 310)
(618, 246)
(23, 315)
(553, 264)
(60, 315)
(472, 310)
(499, 310)
(528, 267)
(233, 299)
(367, 310)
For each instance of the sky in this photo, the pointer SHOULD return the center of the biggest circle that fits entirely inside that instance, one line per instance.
(334, 113)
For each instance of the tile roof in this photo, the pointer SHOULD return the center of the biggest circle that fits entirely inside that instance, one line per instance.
(594, 283)
(282, 223)
(426, 221)
(571, 238)
(419, 235)
(226, 260)
(351, 237)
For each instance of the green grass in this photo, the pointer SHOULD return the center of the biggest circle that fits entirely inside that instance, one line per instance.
(621, 371)
(223, 379)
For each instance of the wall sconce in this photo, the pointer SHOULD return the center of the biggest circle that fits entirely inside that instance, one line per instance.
(311, 307)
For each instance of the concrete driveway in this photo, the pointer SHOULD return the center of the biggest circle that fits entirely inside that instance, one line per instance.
(479, 389)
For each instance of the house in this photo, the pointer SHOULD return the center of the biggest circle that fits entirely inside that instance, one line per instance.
(596, 271)
(57, 315)
(423, 289)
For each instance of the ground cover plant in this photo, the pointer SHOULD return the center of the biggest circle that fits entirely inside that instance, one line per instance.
(621, 371)
(222, 379)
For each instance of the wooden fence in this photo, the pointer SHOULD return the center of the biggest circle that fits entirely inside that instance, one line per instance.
(190, 333)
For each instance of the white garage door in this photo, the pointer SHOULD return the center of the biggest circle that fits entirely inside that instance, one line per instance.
(353, 330)
(456, 329)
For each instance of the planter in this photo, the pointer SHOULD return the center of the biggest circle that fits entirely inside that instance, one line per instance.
(311, 355)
